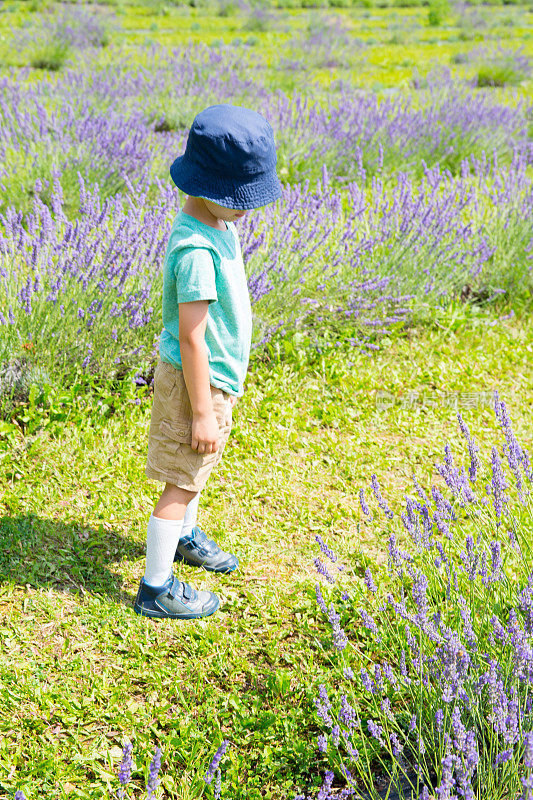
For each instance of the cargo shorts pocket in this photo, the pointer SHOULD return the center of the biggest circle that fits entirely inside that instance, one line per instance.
(175, 431)
(178, 433)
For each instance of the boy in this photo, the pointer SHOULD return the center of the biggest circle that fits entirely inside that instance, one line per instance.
(229, 166)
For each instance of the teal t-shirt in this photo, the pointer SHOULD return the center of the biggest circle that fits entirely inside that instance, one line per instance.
(203, 263)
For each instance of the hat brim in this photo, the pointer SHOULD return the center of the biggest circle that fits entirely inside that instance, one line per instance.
(259, 190)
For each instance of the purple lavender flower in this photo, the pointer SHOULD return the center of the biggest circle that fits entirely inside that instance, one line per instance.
(502, 758)
(513, 452)
(364, 505)
(499, 484)
(397, 748)
(471, 751)
(496, 560)
(473, 449)
(349, 673)
(153, 777)
(323, 570)
(449, 472)
(19, 795)
(366, 680)
(320, 599)
(218, 784)
(326, 549)
(389, 674)
(527, 784)
(323, 706)
(126, 765)
(379, 497)
(369, 580)
(370, 623)
(376, 731)
(323, 792)
(217, 758)
(347, 713)
(339, 637)
(458, 729)
(322, 743)
(385, 706)
(444, 790)
(470, 559)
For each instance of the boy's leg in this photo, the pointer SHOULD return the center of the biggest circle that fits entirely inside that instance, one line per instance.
(173, 502)
(191, 515)
(164, 532)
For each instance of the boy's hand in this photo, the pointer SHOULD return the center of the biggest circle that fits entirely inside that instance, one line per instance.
(205, 433)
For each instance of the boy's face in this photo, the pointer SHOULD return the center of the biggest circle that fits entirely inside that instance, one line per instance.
(221, 212)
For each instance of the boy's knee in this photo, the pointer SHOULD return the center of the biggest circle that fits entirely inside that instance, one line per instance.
(178, 493)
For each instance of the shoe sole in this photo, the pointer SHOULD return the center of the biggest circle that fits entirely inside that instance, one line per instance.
(182, 560)
(144, 612)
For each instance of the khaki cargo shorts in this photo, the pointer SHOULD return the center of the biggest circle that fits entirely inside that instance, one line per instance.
(170, 455)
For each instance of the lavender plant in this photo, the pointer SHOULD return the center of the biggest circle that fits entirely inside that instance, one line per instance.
(326, 41)
(47, 42)
(213, 770)
(443, 708)
(502, 67)
(83, 294)
(113, 121)
(125, 770)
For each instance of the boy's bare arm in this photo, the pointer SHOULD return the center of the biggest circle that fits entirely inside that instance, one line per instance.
(195, 364)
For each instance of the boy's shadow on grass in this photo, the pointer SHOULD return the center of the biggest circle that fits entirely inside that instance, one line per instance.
(63, 556)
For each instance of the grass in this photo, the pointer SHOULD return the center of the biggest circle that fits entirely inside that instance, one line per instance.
(80, 671)
(380, 67)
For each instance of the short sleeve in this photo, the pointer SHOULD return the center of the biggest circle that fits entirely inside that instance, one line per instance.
(194, 271)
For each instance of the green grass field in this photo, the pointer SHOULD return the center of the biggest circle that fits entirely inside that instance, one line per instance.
(79, 671)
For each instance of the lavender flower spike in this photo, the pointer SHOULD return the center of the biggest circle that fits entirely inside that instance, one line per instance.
(323, 792)
(323, 570)
(217, 758)
(379, 497)
(369, 580)
(218, 784)
(473, 449)
(153, 778)
(364, 507)
(325, 548)
(19, 795)
(124, 771)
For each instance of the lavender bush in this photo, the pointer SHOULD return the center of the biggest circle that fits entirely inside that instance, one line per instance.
(85, 293)
(502, 67)
(112, 121)
(126, 768)
(48, 41)
(445, 708)
(325, 42)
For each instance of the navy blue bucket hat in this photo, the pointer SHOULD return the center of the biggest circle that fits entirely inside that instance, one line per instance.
(230, 158)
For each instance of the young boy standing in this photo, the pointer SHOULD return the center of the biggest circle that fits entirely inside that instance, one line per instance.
(229, 166)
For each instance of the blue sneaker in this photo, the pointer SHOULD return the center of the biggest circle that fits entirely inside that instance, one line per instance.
(199, 551)
(174, 600)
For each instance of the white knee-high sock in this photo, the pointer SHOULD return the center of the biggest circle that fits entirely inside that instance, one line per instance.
(189, 520)
(162, 539)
